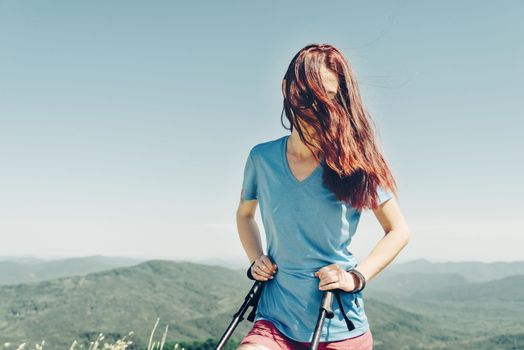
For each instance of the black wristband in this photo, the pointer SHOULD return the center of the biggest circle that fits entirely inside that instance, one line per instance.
(361, 278)
(249, 275)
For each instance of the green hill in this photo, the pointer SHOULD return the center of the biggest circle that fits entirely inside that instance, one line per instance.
(507, 289)
(406, 284)
(197, 302)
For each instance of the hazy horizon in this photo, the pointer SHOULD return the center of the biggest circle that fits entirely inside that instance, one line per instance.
(240, 261)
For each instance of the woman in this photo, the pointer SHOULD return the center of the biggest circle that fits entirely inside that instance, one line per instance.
(312, 186)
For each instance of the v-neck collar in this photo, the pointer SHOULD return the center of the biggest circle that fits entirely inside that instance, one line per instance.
(288, 169)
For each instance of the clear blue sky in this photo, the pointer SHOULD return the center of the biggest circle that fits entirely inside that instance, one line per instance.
(125, 124)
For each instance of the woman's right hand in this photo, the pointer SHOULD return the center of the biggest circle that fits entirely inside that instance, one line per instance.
(263, 268)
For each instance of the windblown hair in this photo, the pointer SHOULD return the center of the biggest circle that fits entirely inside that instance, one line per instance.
(345, 132)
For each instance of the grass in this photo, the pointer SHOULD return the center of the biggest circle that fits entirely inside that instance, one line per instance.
(120, 344)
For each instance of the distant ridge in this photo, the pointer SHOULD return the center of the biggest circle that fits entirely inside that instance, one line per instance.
(474, 271)
(27, 270)
(14, 270)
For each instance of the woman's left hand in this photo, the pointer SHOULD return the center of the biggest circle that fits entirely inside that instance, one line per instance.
(333, 277)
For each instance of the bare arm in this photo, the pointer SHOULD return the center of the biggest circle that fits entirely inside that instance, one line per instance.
(397, 236)
(248, 230)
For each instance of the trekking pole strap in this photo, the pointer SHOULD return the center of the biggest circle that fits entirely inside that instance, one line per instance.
(350, 324)
(254, 303)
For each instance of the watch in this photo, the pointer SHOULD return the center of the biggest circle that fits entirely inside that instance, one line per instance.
(361, 278)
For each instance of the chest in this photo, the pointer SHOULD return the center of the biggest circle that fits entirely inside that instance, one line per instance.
(300, 169)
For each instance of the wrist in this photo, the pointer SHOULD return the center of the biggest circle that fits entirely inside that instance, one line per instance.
(355, 282)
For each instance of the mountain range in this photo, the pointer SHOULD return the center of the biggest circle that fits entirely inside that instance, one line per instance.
(408, 307)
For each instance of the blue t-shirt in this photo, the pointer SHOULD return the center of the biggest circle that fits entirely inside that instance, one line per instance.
(306, 229)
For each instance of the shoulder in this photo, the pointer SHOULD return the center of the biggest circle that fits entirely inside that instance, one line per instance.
(265, 149)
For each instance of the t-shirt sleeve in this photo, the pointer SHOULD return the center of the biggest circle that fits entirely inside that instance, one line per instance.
(383, 194)
(249, 183)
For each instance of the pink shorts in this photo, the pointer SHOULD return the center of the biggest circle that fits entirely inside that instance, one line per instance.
(265, 333)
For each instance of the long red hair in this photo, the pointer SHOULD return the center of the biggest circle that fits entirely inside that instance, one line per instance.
(344, 130)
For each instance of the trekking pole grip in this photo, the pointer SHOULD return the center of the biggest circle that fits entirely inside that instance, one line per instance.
(327, 303)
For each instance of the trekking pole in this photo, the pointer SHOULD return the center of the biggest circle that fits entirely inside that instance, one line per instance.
(251, 299)
(325, 311)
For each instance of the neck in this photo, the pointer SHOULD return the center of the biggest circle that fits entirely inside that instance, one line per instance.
(298, 148)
